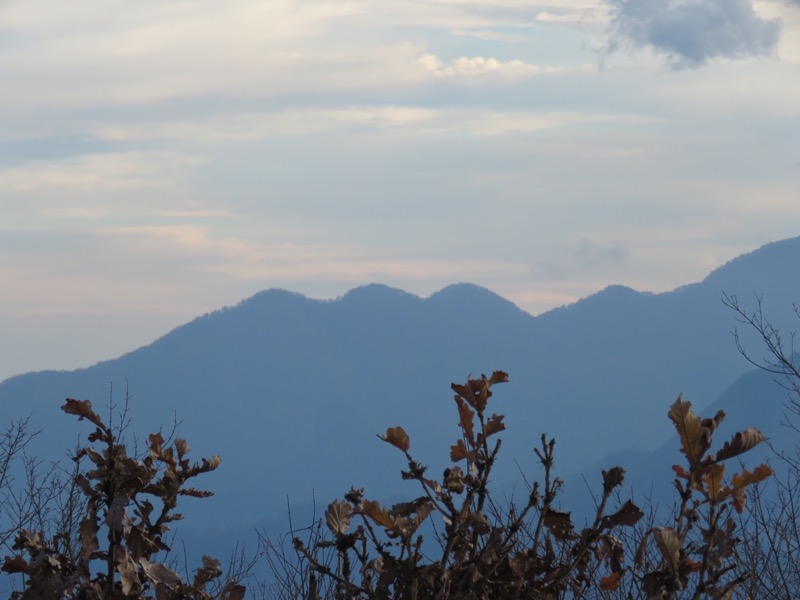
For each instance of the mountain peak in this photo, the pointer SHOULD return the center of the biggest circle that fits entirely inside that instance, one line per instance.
(776, 259)
(375, 292)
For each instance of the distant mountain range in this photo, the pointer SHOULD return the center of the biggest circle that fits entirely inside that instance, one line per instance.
(291, 391)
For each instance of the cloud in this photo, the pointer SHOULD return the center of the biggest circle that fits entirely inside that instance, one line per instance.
(599, 254)
(693, 32)
(472, 67)
(113, 171)
(490, 35)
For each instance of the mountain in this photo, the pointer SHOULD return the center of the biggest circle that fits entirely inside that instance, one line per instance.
(291, 391)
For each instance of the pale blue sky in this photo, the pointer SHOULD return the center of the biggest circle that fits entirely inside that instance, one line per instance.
(160, 159)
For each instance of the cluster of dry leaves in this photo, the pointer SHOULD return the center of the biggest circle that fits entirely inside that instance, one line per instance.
(487, 550)
(128, 504)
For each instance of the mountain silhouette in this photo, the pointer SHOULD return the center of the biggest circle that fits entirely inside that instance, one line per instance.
(291, 391)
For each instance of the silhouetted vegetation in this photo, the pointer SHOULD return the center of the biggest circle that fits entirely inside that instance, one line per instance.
(106, 548)
(488, 549)
(453, 540)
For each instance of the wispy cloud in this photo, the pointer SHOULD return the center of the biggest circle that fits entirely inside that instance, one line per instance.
(477, 66)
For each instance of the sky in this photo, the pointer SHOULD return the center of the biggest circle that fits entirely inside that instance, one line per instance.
(161, 159)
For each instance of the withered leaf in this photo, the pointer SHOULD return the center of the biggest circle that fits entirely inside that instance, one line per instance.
(338, 517)
(195, 493)
(465, 419)
(454, 480)
(695, 439)
(479, 522)
(433, 485)
(628, 515)
(377, 513)
(559, 523)
(422, 513)
(14, 565)
(712, 480)
(498, 377)
(127, 571)
(403, 509)
(232, 591)
(182, 447)
(208, 464)
(159, 574)
(494, 425)
(156, 442)
(30, 541)
(680, 472)
(83, 409)
(210, 570)
(740, 443)
(459, 452)
(139, 544)
(397, 437)
(87, 534)
(638, 559)
(739, 483)
(611, 582)
(669, 544)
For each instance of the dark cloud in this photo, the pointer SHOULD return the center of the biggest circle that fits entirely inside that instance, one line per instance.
(692, 32)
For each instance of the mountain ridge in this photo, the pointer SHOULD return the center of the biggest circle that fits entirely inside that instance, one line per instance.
(295, 384)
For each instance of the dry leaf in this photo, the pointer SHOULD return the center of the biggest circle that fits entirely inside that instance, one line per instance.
(397, 437)
(82, 408)
(740, 443)
(338, 517)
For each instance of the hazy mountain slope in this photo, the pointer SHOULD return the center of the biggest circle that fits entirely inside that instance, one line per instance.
(292, 391)
(753, 400)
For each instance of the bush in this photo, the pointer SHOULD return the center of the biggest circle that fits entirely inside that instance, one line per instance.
(486, 550)
(129, 503)
(453, 541)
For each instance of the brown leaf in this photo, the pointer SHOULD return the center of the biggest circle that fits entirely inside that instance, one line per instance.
(628, 515)
(127, 571)
(82, 408)
(695, 439)
(422, 513)
(208, 464)
(466, 419)
(139, 544)
(397, 437)
(156, 442)
(611, 582)
(210, 570)
(159, 574)
(459, 452)
(740, 443)
(87, 534)
(669, 544)
(14, 565)
(739, 483)
(712, 480)
(680, 472)
(498, 377)
(338, 517)
(195, 493)
(559, 524)
(377, 513)
(494, 425)
(638, 559)
(454, 480)
(232, 591)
